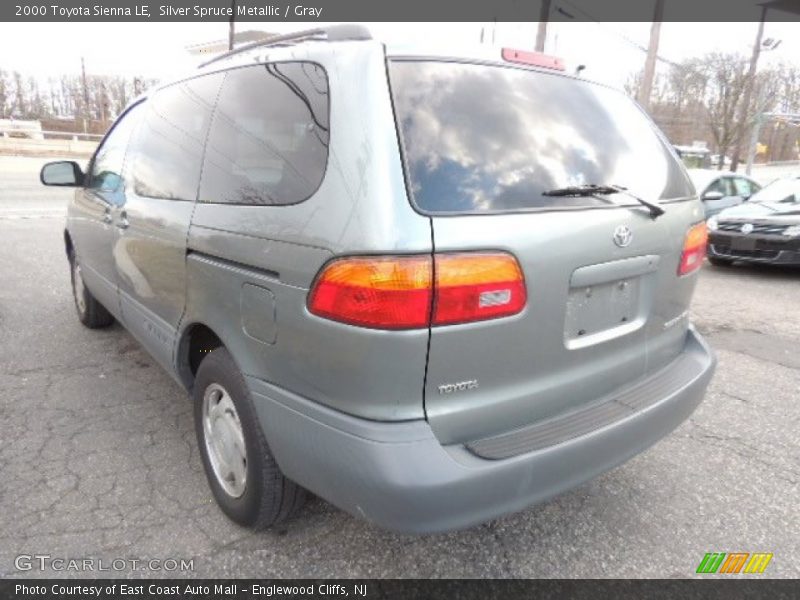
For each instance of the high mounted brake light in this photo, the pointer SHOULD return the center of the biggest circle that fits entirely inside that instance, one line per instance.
(694, 249)
(399, 292)
(536, 59)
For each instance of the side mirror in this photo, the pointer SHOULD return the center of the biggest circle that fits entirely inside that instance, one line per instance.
(713, 195)
(65, 173)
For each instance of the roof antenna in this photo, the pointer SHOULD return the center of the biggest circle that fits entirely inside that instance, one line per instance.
(579, 69)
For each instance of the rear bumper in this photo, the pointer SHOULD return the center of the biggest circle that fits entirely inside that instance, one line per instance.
(399, 476)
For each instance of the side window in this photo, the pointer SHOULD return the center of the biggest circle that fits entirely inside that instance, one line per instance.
(167, 151)
(106, 174)
(722, 185)
(730, 190)
(268, 143)
(745, 187)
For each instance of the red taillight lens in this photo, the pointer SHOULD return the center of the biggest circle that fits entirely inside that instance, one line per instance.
(474, 287)
(384, 293)
(694, 249)
(397, 292)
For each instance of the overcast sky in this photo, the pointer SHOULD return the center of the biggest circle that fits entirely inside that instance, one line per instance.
(158, 49)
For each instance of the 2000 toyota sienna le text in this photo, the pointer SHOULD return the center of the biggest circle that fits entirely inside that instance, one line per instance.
(431, 289)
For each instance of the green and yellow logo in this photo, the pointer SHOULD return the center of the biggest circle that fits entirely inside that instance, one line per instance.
(734, 562)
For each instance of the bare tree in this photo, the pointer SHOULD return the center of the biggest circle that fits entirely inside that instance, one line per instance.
(782, 134)
(98, 99)
(5, 90)
(19, 106)
(726, 82)
(701, 99)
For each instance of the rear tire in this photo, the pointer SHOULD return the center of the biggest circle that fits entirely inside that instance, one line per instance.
(719, 262)
(90, 312)
(241, 471)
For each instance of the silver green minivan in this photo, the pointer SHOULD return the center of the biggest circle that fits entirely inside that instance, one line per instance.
(432, 288)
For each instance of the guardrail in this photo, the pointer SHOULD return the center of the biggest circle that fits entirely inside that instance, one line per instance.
(48, 143)
(22, 134)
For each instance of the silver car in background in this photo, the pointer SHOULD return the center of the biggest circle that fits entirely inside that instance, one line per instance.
(719, 190)
(432, 288)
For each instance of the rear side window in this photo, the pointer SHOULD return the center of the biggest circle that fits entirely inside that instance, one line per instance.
(481, 138)
(167, 151)
(268, 143)
(745, 187)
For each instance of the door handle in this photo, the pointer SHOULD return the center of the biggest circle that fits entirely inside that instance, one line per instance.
(123, 220)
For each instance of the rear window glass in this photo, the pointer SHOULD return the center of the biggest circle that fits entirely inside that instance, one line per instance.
(745, 187)
(269, 139)
(483, 138)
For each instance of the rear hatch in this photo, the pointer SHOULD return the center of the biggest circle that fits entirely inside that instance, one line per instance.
(605, 304)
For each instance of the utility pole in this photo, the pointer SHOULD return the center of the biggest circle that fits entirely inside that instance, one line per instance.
(760, 117)
(744, 114)
(544, 17)
(103, 104)
(646, 89)
(85, 94)
(752, 147)
(230, 25)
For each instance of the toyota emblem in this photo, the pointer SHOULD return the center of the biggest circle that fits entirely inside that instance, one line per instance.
(623, 236)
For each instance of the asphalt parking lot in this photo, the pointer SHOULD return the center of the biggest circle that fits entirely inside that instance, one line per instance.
(98, 454)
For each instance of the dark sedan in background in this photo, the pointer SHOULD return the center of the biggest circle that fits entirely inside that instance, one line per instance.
(766, 229)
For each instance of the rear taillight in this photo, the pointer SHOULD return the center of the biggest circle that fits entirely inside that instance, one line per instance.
(399, 292)
(694, 249)
(384, 293)
(474, 287)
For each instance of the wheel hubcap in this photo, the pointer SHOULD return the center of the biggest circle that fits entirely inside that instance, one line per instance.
(78, 288)
(224, 440)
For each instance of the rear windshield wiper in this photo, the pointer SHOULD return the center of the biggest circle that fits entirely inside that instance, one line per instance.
(592, 189)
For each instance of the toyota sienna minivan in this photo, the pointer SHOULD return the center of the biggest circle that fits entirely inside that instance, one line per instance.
(432, 288)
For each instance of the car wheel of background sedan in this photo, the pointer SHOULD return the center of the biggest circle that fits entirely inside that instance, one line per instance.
(243, 475)
(720, 262)
(90, 312)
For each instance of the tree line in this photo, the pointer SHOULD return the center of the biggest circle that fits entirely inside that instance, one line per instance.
(700, 99)
(89, 102)
(697, 99)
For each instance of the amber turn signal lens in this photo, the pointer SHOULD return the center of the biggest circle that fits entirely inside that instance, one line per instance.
(378, 292)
